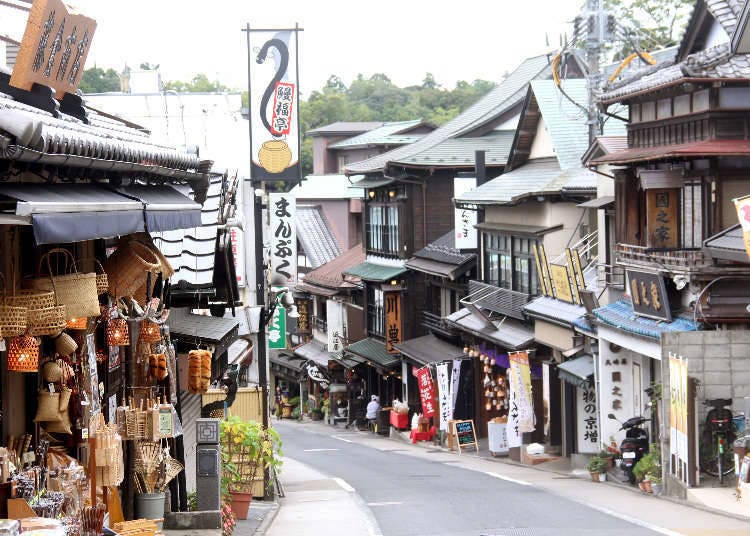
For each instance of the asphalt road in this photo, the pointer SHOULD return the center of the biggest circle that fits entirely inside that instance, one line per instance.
(412, 496)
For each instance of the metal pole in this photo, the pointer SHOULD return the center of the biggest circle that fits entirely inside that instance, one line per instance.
(595, 20)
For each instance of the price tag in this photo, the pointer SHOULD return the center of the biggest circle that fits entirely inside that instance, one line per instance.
(2, 345)
(84, 433)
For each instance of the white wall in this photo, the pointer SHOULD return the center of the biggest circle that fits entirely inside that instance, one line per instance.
(542, 145)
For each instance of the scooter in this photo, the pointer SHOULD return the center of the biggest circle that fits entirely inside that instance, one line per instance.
(635, 444)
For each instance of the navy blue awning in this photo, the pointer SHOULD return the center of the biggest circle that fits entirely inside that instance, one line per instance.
(165, 208)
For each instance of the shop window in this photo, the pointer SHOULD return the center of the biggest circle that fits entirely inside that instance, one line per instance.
(509, 262)
(383, 221)
(375, 312)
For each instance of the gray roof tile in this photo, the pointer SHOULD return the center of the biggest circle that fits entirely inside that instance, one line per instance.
(459, 152)
(391, 133)
(345, 127)
(444, 250)
(315, 235)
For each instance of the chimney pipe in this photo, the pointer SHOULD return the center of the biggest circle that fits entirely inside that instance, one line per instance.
(479, 167)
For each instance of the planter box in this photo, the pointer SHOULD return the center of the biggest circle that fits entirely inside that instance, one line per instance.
(400, 420)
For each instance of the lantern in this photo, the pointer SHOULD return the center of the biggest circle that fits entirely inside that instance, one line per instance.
(117, 332)
(76, 323)
(492, 361)
(486, 380)
(23, 354)
(466, 349)
(488, 406)
(150, 332)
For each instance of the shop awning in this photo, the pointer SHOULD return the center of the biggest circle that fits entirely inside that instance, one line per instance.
(727, 245)
(578, 371)
(372, 182)
(314, 351)
(165, 208)
(508, 333)
(64, 213)
(621, 316)
(516, 229)
(599, 202)
(429, 349)
(286, 366)
(315, 289)
(373, 351)
(554, 311)
(192, 329)
(370, 271)
(440, 269)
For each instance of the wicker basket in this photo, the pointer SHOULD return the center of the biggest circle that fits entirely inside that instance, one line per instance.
(65, 345)
(23, 354)
(50, 321)
(77, 324)
(74, 289)
(117, 332)
(150, 332)
(127, 267)
(33, 299)
(12, 316)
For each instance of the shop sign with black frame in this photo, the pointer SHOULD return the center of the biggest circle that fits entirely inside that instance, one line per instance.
(649, 295)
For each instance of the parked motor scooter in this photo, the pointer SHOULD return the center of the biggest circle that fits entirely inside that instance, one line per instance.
(635, 444)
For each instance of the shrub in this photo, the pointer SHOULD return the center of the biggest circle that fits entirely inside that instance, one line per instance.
(597, 464)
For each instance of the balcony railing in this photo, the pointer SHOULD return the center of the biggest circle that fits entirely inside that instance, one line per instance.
(437, 324)
(499, 300)
(610, 276)
(677, 260)
(319, 324)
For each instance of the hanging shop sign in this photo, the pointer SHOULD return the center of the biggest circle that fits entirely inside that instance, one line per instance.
(649, 295)
(335, 321)
(54, 48)
(588, 428)
(544, 284)
(277, 329)
(393, 328)
(678, 418)
(426, 392)
(274, 96)
(561, 280)
(444, 395)
(576, 274)
(520, 406)
(304, 305)
(661, 218)
(742, 204)
(464, 220)
(316, 374)
(282, 208)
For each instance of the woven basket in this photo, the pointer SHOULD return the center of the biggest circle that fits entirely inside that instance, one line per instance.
(23, 354)
(33, 299)
(12, 316)
(127, 267)
(117, 332)
(65, 345)
(150, 332)
(77, 323)
(74, 289)
(50, 321)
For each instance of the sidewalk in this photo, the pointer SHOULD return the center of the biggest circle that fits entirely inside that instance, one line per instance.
(710, 511)
(259, 518)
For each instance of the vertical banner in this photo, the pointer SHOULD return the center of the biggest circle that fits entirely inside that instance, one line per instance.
(519, 365)
(588, 428)
(304, 308)
(335, 321)
(678, 417)
(444, 395)
(577, 283)
(274, 92)
(426, 392)
(277, 329)
(282, 209)
(455, 382)
(513, 431)
(544, 285)
(393, 326)
(465, 220)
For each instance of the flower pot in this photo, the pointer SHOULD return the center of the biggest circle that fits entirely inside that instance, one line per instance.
(241, 504)
(286, 411)
(656, 488)
(602, 477)
(594, 476)
(646, 486)
(149, 506)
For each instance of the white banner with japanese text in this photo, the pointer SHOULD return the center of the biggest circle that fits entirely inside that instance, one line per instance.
(444, 394)
(465, 220)
(282, 210)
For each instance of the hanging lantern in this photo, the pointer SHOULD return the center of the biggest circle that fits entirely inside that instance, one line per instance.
(77, 323)
(493, 383)
(117, 332)
(488, 406)
(492, 361)
(466, 349)
(149, 332)
(487, 393)
(486, 380)
(486, 369)
(23, 354)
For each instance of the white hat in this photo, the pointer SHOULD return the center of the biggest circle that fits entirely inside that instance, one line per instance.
(375, 397)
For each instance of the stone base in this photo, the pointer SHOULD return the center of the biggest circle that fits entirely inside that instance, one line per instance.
(192, 520)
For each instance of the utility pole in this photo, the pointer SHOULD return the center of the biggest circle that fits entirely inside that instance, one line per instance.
(596, 34)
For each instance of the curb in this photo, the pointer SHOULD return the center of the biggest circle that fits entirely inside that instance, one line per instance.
(268, 519)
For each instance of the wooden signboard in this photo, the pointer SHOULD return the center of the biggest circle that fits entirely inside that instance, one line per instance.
(540, 273)
(577, 284)
(465, 435)
(661, 218)
(649, 295)
(393, 334)
(561, 280)
(54, 48)
(545, 270)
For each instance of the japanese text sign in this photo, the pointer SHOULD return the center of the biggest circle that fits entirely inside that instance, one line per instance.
(392, 321)
(661, 218)
(588, 427)
(54, 48)
(649, 295)
(335, 316)
(561, 280)
(277, 329)
(465, 220)
(304, 306)
(426, 392)
(282, 208)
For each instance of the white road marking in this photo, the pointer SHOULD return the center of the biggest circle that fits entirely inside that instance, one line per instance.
(386, 503)
(320, 450)
(342, 439)
(507, 478)
(344, 485)
(633, 520)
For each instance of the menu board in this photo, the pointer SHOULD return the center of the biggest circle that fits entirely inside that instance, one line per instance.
(465, 434)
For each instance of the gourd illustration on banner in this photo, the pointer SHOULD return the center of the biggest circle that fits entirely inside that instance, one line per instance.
(274, 91)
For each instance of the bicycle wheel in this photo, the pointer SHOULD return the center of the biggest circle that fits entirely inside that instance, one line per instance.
(709, 461)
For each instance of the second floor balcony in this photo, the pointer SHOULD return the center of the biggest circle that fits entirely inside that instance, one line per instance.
(681, 261)
(437, 324)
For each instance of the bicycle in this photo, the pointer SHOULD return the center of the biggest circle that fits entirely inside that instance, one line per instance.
(717, 457)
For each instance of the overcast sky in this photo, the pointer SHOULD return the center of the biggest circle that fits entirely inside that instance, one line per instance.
(458, 40)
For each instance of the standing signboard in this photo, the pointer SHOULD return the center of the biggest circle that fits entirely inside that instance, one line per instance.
(282, 209)
(466, 436)
(273, 105)
(277, 329)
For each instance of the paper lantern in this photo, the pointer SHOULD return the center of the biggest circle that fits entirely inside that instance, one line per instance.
(466, 349)
(492, 361)
(486, 380)
(150, 332)
(77, 323)
(488, 406)
(117, 332)
(23, 354)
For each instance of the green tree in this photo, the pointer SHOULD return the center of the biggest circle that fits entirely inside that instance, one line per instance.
(97, 80)
(652, 24)
(198, 84)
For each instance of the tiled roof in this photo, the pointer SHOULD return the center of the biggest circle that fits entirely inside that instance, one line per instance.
(315, 187)
(429, 349)
(444, 250)
(370, 271)
(537, 177)
(315, 351)
(726, 12)
(507, 333)
(459, 152)
(391, 133)
(612, 144)
(202, 329)
(681, 150)
(373, 350)
(315, 235)
(727, 245)
(345, 127)
(554, 310)
(505, 96)
(620, 315)
(330, 274)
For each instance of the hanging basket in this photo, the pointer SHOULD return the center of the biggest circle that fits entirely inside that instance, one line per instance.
(23, 354)
(12, 316)
(150, 332)
(77, 323)
(74, 289)
(33, 299)
(127, 267)
(118, 333)
(50, 321)
(65, 345)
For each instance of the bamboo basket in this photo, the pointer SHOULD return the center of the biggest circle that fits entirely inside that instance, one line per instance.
(76, 290)
(127, 267)
(33, 299)
(23, 354)
(49, 321)
(12, 316)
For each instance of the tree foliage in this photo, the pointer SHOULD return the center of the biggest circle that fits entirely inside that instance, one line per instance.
(97, 80)
(653, 24)
(377, 98)
(198, 84)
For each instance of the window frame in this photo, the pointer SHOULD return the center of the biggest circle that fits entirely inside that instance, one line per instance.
(384, 237)
(510, 251)
(375, 311)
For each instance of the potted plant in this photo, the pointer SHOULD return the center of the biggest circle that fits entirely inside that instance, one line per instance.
(326, 408)
(608, 457)
(247, 449)
(656, 484)
(647, 466)
(597, 468)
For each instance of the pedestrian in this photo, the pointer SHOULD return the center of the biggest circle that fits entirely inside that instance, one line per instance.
(373, 408)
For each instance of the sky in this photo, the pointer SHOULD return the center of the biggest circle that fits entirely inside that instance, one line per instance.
(404, 39)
